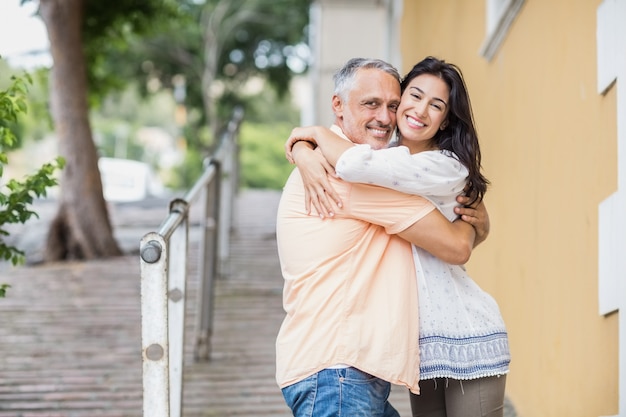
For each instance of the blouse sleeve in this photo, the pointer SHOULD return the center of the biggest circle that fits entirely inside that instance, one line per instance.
(428, 173)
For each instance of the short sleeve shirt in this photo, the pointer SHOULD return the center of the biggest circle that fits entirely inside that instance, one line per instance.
(350, 293)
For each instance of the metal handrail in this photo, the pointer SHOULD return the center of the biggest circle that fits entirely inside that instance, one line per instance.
(163, 258)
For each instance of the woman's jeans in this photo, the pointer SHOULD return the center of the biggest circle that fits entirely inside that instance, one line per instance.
(442, 397)
(343, 392)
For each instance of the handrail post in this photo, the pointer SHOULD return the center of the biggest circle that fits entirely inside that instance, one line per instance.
(230, 182)
(178, 250)
(226, 209)
(154, 334)
(207, 266)
(163, 262)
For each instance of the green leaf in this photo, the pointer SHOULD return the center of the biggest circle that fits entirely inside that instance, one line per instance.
(3, 289)
(17, 196)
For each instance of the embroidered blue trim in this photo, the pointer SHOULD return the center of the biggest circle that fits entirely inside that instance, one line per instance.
(464, 358)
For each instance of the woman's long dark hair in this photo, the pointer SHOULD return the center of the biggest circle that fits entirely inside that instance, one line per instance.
(459, 135)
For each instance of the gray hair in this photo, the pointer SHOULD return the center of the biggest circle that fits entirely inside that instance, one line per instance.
(344, 78)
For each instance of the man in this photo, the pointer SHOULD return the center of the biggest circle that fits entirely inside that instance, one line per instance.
(350, 288)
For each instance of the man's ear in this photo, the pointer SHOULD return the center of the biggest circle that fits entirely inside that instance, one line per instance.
(337, 105)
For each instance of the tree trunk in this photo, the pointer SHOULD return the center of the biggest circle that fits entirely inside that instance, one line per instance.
(81, 228)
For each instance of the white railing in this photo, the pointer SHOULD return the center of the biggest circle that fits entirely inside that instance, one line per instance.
(163, 256)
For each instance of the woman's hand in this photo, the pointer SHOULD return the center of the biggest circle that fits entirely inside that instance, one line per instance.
(475, 215)
(298, 134)
(315, 170)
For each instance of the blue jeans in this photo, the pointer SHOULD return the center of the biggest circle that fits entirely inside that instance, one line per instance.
(344, 392)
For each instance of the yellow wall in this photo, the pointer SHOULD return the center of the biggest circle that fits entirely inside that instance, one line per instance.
(549, 144)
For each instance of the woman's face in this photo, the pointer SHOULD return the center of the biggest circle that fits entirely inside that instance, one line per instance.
(422, 111)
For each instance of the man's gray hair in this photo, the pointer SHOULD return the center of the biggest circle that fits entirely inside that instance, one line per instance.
(344, 78)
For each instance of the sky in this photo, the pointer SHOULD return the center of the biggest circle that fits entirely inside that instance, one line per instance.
(22, 33)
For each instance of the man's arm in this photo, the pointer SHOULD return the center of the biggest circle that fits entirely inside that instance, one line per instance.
(414, 219)
(450, 242)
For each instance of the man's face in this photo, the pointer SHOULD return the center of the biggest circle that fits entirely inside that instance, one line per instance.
(368, 115)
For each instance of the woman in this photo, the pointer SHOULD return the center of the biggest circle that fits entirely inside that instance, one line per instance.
(464, 355)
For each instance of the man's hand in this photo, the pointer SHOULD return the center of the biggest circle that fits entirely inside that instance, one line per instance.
(477, 216)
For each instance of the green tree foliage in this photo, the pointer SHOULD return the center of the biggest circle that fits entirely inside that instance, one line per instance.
(268, 123)
(208, 54)
(16, 197)
(213, 46)
(121, 116)
(262, 158)
(109, 30)
(35, 124)
(249, 38)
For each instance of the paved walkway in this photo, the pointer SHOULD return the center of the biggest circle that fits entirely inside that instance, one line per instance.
(70, 332)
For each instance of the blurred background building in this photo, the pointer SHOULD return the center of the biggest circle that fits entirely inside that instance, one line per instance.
(344, 29)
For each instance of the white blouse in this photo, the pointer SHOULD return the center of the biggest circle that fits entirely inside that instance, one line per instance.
(462, 333)
(436, 175)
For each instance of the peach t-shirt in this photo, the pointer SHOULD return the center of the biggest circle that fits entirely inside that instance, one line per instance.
(350, 290)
